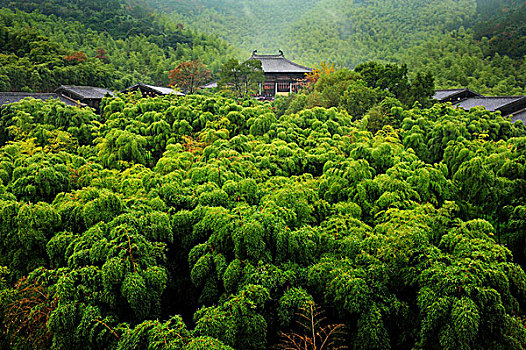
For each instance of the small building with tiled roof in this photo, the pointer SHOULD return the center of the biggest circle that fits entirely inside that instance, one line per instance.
(89, 95)
(454, 95)
(505, 104)
(12, 97)
(282, 76)
(512, 106)
(152, 90)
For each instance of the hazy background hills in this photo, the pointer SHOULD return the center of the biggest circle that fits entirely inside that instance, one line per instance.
(346, 32)
(475, 43)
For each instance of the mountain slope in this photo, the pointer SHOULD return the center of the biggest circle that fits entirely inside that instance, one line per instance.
(158, 46)
(344, 32)
(503, 22)
(248, 24)
(475, 43)
(119, 18)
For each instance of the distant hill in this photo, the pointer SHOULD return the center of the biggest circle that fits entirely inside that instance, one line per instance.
(124, 39)
(462, 42)
(344, 32)
(119, 18)
(249, 25)
(503, 22)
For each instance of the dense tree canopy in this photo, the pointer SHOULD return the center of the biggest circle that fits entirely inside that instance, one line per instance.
(371, 88)
(205, 222)
(39, 52)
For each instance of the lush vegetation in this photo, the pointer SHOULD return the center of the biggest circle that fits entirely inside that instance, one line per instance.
(119, 18)
(355, 214)
(344, 32)
(479, 44)
(204, 222)
(40, 52)
(460, 61)
(372, 88)
(29, 61)
(503, 23)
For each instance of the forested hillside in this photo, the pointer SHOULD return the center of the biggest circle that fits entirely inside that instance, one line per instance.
(503, 22)
(99, 46)
(343, 32)
(116, 17)
(461, 42)
(250, 25)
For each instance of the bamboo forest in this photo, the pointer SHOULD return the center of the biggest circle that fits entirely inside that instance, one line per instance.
(359, 212)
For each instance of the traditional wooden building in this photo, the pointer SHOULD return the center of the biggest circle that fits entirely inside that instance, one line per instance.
(282, 76)
(12, 97)
(454, 95)
(89, 95)
(152, 90)
(508, 106)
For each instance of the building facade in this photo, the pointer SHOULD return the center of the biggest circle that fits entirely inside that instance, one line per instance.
(282, 76)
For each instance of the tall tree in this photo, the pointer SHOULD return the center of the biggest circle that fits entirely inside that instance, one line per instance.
(189, 76)
(243, 78)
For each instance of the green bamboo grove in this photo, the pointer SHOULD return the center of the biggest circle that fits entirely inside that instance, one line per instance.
(204, 222)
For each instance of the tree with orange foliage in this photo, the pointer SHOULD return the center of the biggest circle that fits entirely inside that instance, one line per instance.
(324, 68)
(76, 57)
(189, 76)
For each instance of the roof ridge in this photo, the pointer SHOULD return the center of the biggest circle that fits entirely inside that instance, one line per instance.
(494, 97)
(85, 86)
(269, 56)
(26, 93)
(459, 89)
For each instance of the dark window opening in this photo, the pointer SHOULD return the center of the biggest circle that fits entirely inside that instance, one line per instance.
(283, 86)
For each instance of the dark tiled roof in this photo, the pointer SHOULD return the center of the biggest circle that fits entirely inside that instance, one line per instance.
(520, 115)
(490, 103)
(448, 94)
(12, 97)
(278, 64)
(158, 89)
(85, 92)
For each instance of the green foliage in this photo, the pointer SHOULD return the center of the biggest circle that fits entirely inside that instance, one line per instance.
(457, 59)
(478, 44)
(243, 78)
(31, 61)
(110, 45)
(207, 222)
(237, 322)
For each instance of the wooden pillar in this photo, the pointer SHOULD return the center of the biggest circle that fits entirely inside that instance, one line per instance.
(276, 88)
